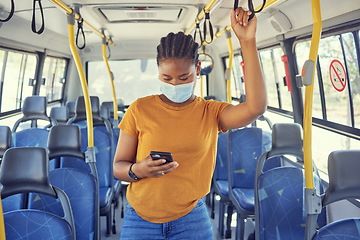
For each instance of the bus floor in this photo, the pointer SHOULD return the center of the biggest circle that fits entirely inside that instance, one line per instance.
(249, 225)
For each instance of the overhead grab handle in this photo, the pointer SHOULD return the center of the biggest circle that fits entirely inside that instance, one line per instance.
(33, 21)
(251, 7)
(12, 10)
(208, 22)
(80, 27)
(197, 30)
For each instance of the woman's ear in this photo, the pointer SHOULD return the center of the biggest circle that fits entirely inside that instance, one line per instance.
(198, 68)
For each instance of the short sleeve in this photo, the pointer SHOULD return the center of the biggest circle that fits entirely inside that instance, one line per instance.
(128, 122)
(218, 107)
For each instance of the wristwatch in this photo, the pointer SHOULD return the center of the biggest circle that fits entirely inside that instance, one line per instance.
(132, 175)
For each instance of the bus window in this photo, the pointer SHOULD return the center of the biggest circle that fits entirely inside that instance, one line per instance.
(130, 80)
(274, 73)
(236, 84)
(19, 69)
(53, 75)
(353, 73)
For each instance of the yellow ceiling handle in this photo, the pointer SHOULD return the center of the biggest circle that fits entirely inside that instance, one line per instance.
(112, 83)
(79, 67)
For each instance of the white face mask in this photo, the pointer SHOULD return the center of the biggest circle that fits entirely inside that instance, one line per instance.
(177, 93)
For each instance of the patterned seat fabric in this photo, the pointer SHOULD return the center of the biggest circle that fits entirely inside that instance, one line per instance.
(34, 224)
(81, 190)
(282, 215)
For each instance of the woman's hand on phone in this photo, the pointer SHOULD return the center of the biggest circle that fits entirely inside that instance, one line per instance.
(153, 168)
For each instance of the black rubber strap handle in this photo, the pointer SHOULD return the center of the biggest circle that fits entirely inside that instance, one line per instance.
(207, 20)
(12, 10)
(33, 21)
(80, 29)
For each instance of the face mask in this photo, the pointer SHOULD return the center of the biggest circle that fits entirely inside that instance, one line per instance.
(177, 93)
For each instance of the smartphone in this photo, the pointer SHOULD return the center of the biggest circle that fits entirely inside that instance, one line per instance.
(155, 155)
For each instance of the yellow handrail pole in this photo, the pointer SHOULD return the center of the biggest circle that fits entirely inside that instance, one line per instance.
(201, 15)
(201, 86)
(2, 226)
(69, 11)
(112, 82)
(89, 119)
(309, 89)
(228, 70)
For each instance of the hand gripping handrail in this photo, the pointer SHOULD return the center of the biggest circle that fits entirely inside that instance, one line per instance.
(111, 81)
(89, 118)
(69, 11)
(312, 199)
(228, 28)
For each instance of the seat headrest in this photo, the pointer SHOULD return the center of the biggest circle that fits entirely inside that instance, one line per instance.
(120, 104)
(60, 114)
(344, 177)
(65, 140)
(5, 139)
(71, 106)
(34, 107)
(80, 112)
(287, 139)
(25, 169)
(110, 105)
(105, 112)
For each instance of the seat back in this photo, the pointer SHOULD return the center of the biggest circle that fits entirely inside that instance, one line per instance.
(246, 146)
(34, 108)
(221, 166)
(71, 106)
(279, 204)
(344, 178)
(60, 115)
(5, 139)
(25, 170)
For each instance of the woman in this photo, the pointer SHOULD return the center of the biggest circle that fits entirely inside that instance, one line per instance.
(165, 199)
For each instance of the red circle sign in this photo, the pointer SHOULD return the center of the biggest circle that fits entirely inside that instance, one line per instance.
(337, 75)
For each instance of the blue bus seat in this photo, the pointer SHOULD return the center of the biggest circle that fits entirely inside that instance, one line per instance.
(344, 179)
(71, 106)
(279, 201)
(246, 146)
(34, 108)
(220, 186)
(33, 176)
(80, 186)
(105, 113)
(104, 145)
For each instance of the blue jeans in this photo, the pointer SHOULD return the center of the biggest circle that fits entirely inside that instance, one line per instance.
(194, 225)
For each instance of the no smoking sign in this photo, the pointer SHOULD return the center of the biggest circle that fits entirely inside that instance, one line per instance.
(337, 75)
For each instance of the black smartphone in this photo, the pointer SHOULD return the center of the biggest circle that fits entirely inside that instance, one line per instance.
(155, 155)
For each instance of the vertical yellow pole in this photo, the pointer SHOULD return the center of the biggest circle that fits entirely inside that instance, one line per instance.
(2, 226)
(83, 84)
(315, 40)
(201, 86)
(111, 80)
(228, 74)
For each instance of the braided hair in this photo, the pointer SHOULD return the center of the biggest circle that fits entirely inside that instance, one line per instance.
(177, 46)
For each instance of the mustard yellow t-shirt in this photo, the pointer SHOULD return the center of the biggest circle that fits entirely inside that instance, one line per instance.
(190, 134)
